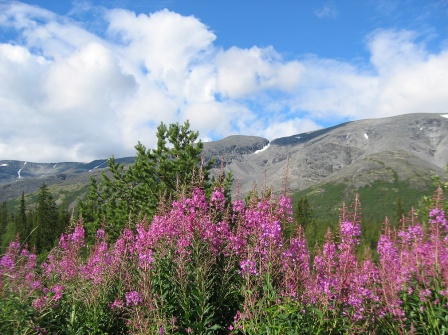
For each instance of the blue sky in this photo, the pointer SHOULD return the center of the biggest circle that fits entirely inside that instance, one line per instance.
(86, 80)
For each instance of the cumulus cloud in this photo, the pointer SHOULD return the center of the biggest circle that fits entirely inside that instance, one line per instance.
(247, 71)
(69, 94)
(402, 77)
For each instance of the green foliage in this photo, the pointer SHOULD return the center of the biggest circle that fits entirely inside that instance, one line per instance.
(4, 219)
(304, 216)
(200, 290)
(427, 202)
(128, 193)
(46, 225)
(75, 314)
(16, 316)
(425, 309)
(379, 200)
(23, 221)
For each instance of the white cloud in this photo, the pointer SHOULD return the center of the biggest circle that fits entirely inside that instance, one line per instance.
(69, 94)
(247, 71)
(403, 77)
(410, 79)
(289, 127)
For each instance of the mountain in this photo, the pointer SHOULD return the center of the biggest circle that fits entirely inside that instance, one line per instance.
(406, 147)
(358, 154)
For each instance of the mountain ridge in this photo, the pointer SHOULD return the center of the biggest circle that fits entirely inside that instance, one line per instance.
(358, 151)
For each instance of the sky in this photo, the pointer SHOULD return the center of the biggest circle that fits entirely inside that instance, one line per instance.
(85, 80)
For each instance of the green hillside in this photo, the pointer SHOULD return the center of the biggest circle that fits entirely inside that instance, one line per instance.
(379, 200)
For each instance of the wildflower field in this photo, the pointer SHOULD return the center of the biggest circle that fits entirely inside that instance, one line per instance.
(201, 267)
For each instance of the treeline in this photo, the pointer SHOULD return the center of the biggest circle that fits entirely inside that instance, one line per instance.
(38, 226)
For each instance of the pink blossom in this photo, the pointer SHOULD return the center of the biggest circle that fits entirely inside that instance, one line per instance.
(133, 298)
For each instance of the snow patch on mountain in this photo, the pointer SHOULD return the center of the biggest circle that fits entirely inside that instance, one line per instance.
(262, 149)
(20, 170)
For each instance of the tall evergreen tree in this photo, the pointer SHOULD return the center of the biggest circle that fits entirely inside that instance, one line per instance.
(46, 227)
(303, 213)
(64, 217)
(23, 225)
(156, 175)
(400, 211)
(3, 220)
(304, 216)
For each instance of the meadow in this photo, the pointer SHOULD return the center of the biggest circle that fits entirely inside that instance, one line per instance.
(202, 266)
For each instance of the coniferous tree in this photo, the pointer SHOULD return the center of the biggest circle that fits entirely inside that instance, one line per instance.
(303, 214)
(23, 225)
(46, 227)
(156, 175)
(400, 211)
(64, 217)
(4, 216)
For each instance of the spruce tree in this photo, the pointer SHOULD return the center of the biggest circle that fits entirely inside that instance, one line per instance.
(46, 227)
(3, 220)
(400, 211)
(303, 214)
(22, 223)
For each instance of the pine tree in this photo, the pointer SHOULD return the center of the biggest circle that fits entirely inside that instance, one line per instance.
(128, 193)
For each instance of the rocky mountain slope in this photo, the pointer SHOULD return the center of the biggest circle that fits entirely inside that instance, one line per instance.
(359, 152)
(407, 147)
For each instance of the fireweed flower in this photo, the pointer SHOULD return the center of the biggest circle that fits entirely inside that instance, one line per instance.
(7, 262)
(57, 290)
(36, 285)
(424, 294)
(117, 304)
(218, 198)
(78, 234)
(14, 245)
(100, 234)
(238, 206)
(350, 232)
(39, 303)
(146, 259)
(248, 267)
(437, 216)
(133, 298)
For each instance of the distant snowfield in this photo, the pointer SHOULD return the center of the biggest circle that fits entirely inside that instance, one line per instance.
(262, 149)
(444, 115)
(4, 165)
(366, 136)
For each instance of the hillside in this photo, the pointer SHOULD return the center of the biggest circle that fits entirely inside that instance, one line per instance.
(405, 149)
